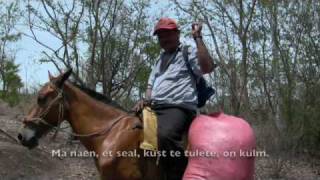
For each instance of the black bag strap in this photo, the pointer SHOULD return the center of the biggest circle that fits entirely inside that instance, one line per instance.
(186, 60)
(169, 61)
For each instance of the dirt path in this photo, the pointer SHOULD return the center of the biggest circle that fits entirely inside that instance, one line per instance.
(19, 163)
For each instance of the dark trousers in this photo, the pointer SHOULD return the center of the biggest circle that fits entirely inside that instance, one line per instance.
(173, 122)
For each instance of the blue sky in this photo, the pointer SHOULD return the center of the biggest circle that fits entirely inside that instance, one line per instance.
(27, 55)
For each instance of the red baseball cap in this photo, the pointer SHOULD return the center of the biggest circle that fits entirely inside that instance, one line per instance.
(165, 24)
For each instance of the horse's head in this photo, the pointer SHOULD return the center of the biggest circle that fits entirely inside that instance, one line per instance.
(48, 112)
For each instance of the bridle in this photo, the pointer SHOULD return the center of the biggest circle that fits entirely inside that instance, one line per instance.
(60, 99)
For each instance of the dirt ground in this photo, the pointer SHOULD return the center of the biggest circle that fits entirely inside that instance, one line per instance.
(18, 162)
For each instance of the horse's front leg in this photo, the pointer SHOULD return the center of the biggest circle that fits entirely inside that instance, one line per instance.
(122, 164)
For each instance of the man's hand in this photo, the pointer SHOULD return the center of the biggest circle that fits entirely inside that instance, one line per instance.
(196, 29)
(205, 60)
(140, 105)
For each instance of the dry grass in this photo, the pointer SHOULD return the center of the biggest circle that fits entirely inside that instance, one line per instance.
(283, 162)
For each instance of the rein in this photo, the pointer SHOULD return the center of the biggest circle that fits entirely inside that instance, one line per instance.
(59, 98)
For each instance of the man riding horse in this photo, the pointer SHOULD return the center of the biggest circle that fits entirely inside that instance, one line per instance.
(172, 92)
(103, 127)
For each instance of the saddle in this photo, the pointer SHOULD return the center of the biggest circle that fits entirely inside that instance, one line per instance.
(150, 131)
(150, 128)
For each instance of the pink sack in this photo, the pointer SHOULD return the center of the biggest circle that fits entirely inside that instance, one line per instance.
(221, 147)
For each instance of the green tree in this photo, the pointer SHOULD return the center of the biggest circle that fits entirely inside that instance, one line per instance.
(9, 79)
(103, 41)
(11, 82)
(269, 62)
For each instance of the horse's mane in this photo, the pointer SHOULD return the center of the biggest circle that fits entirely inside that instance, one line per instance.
(98, 96)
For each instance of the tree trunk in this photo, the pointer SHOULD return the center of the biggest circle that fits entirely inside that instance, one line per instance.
(279, 122)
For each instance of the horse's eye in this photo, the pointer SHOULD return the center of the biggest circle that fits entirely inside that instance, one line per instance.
(41, 100)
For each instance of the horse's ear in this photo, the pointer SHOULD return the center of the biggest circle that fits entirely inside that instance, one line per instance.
(50, 76)
(63, 77)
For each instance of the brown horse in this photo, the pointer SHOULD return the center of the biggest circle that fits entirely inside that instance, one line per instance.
(102, 128)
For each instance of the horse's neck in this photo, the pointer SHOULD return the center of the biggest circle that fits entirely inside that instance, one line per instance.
(87, 115)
